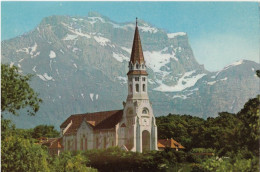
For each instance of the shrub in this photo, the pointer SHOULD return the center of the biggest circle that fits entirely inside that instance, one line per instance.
(115, 159)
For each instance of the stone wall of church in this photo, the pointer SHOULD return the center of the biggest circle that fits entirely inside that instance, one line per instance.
(103, 139)
(86, 139)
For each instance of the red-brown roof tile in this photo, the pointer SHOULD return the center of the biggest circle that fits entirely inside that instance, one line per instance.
(160, 145)
(169, 143)
(137, 52)
(97, 120)
(57, 144)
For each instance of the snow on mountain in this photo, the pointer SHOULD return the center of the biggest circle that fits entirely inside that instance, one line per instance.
(101, 40)
(173, 35)
(34, 69)
(211, 83)
(157, 59)
(146, 28)
(30, 50)
(224, 79)
(128, 50)
(179, 96)
(52, 54)
(70, 37)
(120, 57)
(91, 95)
(82, 95)
(122, 79)
(47, 77)
(186, 81)
(229, 66)
(41, 77)
(76, 31)
(93, 20)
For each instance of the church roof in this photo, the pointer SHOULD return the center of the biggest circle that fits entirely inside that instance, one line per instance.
(97, 120)
(137, 52)
(57, 144)
(51, 142)
(170, 143)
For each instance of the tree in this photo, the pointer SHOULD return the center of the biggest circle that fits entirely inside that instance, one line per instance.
(70, 162)
(258, 73)
(249, 133)
(19, 154)
(44, 131)
(16, 91)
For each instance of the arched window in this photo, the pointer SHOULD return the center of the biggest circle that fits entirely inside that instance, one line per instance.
(137, 66)
(129, 112)
(143, 87)
(81, 144)
(137, 87)
(145, 111)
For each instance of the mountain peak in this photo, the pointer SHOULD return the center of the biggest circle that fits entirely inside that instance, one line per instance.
(96, 14)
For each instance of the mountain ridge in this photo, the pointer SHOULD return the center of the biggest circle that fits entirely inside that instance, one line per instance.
(94, 53)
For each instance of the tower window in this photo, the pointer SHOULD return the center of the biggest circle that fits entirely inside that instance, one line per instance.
(143, 78)
(143, 87)
(137, 66)
(136, 78)
(143, 66)
(137, 87)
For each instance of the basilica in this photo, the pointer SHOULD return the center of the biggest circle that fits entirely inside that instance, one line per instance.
(132, 128)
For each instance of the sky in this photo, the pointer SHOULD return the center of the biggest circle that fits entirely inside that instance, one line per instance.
(220, 33)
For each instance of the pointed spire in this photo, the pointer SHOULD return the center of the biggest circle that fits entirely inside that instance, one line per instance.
(137, 52)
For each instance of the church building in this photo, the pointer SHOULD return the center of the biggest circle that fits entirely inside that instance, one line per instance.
(133, 128)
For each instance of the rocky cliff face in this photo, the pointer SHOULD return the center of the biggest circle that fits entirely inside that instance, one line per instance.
(80, 65)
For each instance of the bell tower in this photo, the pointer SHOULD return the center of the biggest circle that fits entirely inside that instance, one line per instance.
(139, 132)
(137, 75)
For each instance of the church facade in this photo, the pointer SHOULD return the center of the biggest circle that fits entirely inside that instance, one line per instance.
(133, 128)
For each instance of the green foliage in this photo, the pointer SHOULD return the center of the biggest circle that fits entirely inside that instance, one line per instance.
(249, 132)
(227, 164)
(19, 154)
(115, 159)
(222, 133)
(68, 161)
(225, 134)
(185, 129)
(44, 131)
(16, 92)
(202, 150)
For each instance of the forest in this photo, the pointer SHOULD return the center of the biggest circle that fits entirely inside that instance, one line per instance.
(232, 139)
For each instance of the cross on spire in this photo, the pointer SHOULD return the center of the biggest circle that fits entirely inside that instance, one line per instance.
(136, 22)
